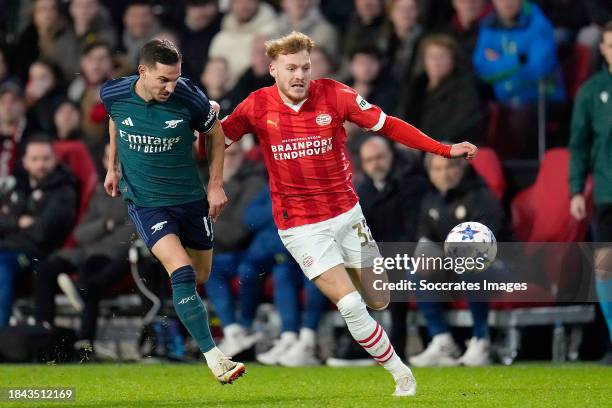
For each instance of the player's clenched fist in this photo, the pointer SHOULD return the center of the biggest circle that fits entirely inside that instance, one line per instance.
(216, 201)
(216, 107)
(464, 149)
(111, 182)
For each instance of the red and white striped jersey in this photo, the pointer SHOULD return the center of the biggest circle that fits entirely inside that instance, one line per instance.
(304, 147)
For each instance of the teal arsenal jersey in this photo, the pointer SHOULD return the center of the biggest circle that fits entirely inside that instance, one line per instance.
(155, 140)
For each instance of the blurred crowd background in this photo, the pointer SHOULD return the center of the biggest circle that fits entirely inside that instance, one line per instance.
(502, 74)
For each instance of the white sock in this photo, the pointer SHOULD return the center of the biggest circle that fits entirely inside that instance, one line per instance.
(370, 335)
(308, 336)
(213, 355)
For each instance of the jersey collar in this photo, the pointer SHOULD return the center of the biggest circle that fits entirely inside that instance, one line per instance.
(294, 108)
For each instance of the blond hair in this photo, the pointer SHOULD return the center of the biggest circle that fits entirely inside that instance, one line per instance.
(289, 44)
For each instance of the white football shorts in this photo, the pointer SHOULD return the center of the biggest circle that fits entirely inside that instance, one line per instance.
(344, 239)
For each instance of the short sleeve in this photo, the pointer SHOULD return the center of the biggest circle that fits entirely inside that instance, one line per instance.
(237, 124)
(106, 101)
(359, 111)
(204, 116)
(113, 90)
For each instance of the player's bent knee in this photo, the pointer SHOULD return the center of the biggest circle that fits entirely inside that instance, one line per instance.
(378, 305)
(202, 263)
(202, 276)
(377, 300)
(203, 270)
(603, 263)
(169, 251)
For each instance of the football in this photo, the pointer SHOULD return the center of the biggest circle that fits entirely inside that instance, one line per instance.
(472, 240)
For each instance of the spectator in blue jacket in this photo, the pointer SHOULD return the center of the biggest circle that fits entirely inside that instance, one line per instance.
(292, 349)
(515, 50)
(243, 179)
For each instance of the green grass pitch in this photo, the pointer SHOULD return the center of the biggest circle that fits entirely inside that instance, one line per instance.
(192, 385)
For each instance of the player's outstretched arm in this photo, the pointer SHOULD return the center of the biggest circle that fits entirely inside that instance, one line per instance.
(215, 150)
(406, 134)
(111, 182)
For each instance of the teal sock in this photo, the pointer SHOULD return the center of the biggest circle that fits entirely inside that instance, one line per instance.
(604, 292)
(190, 308)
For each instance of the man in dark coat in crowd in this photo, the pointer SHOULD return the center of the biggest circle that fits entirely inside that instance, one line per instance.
(36, 216)
(390, 196)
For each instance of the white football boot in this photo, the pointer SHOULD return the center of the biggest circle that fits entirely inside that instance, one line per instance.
(281, 346)
(441, 352)
(70, 290)
(478, 353)
(303, 352)
(236, 340)
(227, 371)
(405, 386)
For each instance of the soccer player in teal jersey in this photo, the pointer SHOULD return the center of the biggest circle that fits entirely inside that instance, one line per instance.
(153, 116)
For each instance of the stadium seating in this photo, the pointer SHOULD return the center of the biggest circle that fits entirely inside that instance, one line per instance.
(576, 66)
(74, 155)
(540, 213)
(488, 166)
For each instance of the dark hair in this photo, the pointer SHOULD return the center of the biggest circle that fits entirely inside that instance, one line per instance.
(607, 28)
(13, 88)
(200, 2)
(162, 51)
(67, 101)
(53, 67)
(139, 3)
(368, 49)
(96, 44)
(41, 138)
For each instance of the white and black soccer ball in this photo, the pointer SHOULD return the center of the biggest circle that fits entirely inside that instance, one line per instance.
(472, 240)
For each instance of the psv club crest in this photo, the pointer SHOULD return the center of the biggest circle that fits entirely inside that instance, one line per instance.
(323, 119)
(307, 261)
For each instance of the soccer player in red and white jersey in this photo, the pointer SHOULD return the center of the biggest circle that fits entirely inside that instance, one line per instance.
(299, 124)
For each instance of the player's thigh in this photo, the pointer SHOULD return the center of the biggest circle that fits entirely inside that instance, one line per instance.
(335, 283)
(313, 247)
(170, 252)
(195, 227)
(158, 228)
(196, 233)
(353, 235)
(359, 251)
(202, 263)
